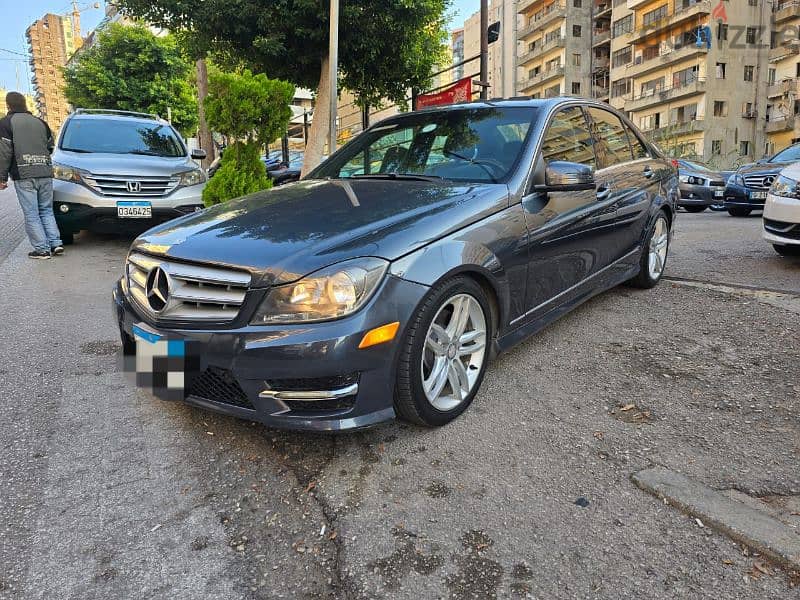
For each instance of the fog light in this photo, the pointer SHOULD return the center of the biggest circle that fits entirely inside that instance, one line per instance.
(379, 335)
(63, 208)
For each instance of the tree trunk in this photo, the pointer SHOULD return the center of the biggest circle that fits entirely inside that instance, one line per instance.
(320, 126)
(204, 133)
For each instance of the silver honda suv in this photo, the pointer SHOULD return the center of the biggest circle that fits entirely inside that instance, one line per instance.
(122, 172)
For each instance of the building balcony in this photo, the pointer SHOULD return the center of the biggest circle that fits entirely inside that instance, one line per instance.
(661, 96)
(541, 78)
(641, 65)
(636, 3)
(785, 11)
(524, 5)
(782, 88)
(541, 49)
(676, 128)
(541, 19)
(780, 124)
(602, 10)
(784, 50)
(600, 64)
(600, 37)
(600, 93)
(680, 14)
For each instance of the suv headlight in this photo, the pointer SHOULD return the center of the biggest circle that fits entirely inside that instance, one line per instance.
(330, 293)
(192, 177)
(65, 173)
(690, 179)
(735, 179)
(786, 187)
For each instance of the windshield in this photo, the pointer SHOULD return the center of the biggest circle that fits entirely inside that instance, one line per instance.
(121, 136)
(693, 165)
(790, 154)
(475, 145)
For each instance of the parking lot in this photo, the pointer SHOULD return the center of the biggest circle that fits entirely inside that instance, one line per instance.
(110, 493)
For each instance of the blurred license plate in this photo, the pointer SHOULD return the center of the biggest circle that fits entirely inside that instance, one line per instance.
(160, 362)
(719, 193)
(758, 195)
(135, 209)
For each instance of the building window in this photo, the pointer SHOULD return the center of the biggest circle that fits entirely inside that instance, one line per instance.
(622, 26)
(576, 3)
(720, 108)
(797, 70)
(716, 147)
(576, 59)
(576, 31)
(621, 88)
(750, 36)
(722, 31)
(622, 57)
(771, 75)
(744, 148)
(748, 72)
(720, 70)
(576, 88)
(654, 15)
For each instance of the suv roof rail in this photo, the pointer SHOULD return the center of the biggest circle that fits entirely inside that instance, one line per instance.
(109, 111)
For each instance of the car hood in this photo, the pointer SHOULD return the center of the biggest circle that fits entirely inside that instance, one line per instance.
(768, 168)
(285, 233)
(123, 164)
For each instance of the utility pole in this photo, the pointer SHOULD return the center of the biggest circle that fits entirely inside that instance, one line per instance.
(484, 49)
(334, 71)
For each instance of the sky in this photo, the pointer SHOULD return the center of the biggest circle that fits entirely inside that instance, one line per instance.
(18, 14)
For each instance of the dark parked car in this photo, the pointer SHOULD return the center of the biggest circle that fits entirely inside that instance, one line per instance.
(384, 282)
(701, 187)
(746, 190)
(280, 172)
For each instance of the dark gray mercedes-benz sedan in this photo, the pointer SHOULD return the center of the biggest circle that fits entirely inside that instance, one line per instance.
(383, 283)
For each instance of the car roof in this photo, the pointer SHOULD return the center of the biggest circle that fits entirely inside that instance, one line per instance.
(522, 101)
(116, 117)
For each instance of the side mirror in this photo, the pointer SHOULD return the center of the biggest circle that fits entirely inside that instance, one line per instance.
(564, 176)
(198, 154)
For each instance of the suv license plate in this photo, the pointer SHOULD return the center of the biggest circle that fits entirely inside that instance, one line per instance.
(136, 209)
(719, 193)
(758, 195)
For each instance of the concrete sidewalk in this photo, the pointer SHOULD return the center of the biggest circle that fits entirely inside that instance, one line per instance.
(12, 229)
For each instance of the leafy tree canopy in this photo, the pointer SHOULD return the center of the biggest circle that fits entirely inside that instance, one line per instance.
(129, 68)
(385, 46)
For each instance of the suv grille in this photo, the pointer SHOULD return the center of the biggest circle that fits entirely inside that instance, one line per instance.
(187, 292)
(756, 182)
(132, 186)
(219, 385)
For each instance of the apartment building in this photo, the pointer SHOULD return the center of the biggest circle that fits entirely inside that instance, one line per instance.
(783, 76)
(51, 41)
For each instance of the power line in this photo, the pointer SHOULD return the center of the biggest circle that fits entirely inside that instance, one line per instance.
(14, 52)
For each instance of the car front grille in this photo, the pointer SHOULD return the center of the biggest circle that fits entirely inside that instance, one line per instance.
(187, 292)
(219, 385)
(756, 182)
(783, 229)
(131, 186)
(716, 183)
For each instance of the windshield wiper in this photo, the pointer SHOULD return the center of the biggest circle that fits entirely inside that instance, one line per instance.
(145, 153)
(77, 150)
(475, 161)
(401, 176)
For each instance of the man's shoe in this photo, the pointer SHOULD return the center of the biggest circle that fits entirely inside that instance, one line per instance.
(39, 254)
(58, 250)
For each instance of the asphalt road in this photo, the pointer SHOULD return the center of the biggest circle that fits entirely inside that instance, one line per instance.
(109, 493)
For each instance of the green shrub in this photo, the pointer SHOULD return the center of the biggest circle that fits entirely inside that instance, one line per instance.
(241, 172)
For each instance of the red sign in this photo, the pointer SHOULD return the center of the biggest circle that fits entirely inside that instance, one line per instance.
(719, 12)
(461, 91)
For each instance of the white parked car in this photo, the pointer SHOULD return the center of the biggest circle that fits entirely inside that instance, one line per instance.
(782, 212)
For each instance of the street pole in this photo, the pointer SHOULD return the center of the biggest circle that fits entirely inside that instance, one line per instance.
(484, 49)
(334, 70)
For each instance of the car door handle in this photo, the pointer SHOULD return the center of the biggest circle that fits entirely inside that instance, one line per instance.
(603, 192)
(648, 172)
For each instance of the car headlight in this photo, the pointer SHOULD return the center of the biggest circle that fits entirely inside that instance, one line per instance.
(193, 177)
(735, 179)
(690, 179)
(65, 173)
(331, 293)
(786, 187)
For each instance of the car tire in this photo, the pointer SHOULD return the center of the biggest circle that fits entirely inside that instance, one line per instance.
(694, 209)
(656, 240)
(739, 211)
(786, 250)
(426, 358)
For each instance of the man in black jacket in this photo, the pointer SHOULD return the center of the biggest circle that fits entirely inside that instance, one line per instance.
(26, 143)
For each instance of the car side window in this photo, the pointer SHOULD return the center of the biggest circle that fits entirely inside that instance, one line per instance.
(568, 138)
(638, 147)
(611, 140)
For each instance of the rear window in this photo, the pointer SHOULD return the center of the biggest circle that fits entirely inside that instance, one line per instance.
(121, 136)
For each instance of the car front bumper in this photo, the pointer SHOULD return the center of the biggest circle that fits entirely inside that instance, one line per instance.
(260, 372)
(700, 195)
(740, 196)
(77, 208)
(781, 224)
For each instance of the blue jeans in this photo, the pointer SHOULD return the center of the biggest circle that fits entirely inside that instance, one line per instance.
(36, 199)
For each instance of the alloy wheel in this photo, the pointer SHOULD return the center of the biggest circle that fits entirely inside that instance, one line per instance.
(454, 352)
(659, 242)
